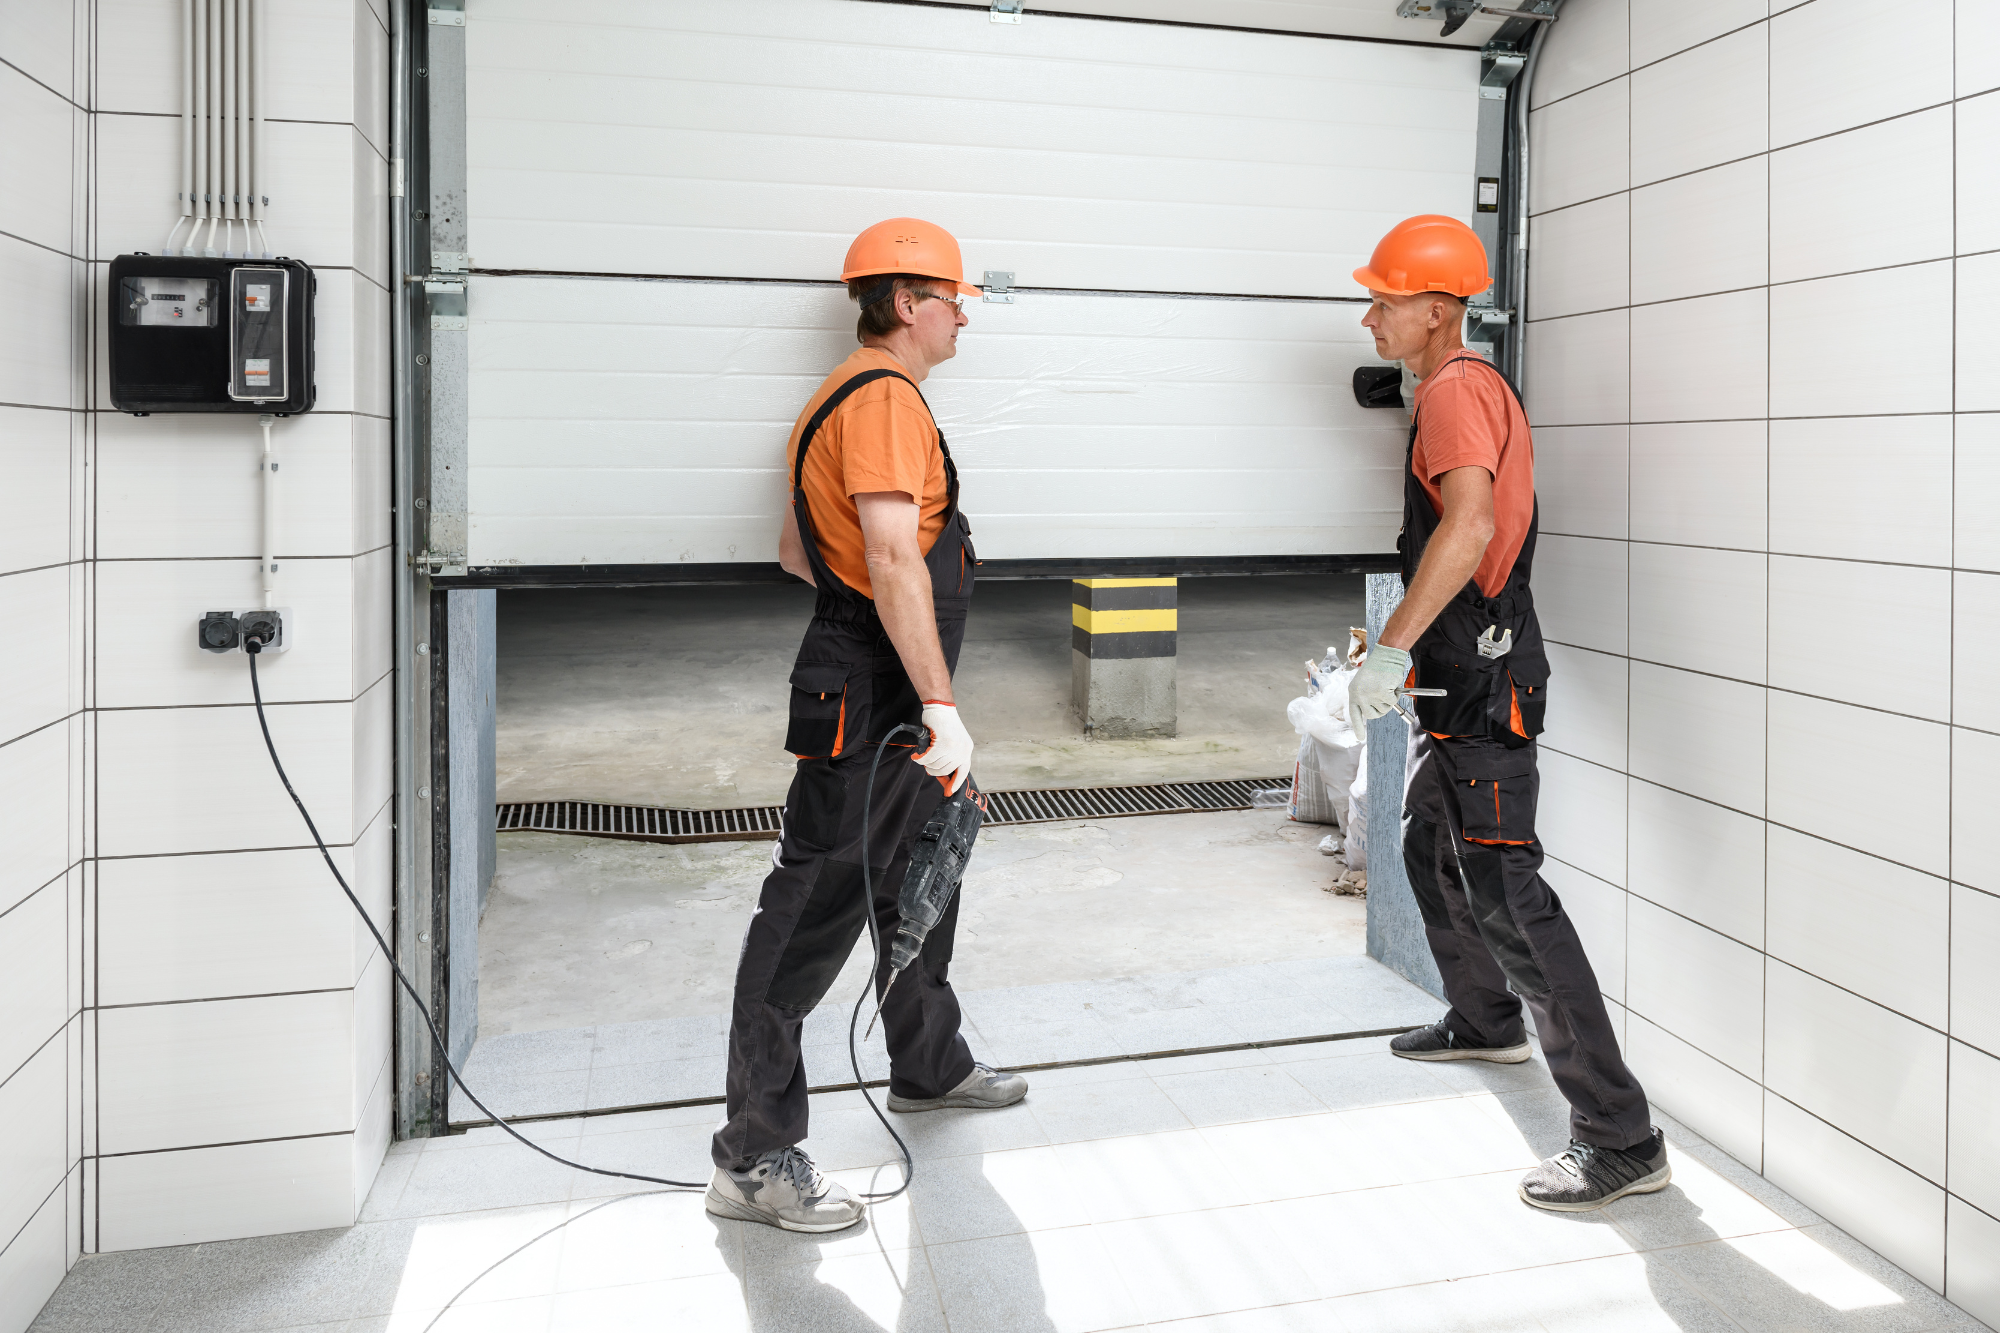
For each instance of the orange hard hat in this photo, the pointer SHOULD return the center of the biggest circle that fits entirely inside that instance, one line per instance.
(907, 245)
(1427, 253)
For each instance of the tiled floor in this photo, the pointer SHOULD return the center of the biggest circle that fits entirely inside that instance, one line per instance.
(1303, 1189)
(678, 1059)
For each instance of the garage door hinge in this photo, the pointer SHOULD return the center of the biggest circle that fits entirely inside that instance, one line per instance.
(448, 13)
(440, 564)
(1501, 68)
(447, 300)
(999, 287)
(450, 261)
(1007, 11)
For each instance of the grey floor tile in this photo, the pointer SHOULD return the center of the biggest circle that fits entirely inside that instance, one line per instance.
(1104, 1110)
(1224, 1096)
(1363, 1240)
(1326, 1050)
(1374, 1079)
(305, 1277)
(637, 1238)
(674, 1152)
(502, 1176)
(1483, 1225)
(961, 1131)
(114, 1293)
(1070, 1076)
(1540, 1115)
(1245, 1058)
(860, 1293)
(1701, 1204)
(390, 1178)
(659, 1081)
(551, 1049)
(713, 1304)
(660, 1039)
(1153, 1175)
(1301, 1317)
(1457, 1136)
(1300, 1157)
(1283, 1020)
(1749, 1181)
(1620, 1294)
(1170, 1030)
(1808, 1280)
(1039, 1282)
(1190, 1264)
(524, 1091)
(997, 1194)
(709, 1114)
(1031, 1043)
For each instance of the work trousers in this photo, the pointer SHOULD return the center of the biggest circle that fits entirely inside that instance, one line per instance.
(1498, 931)
(808, 918)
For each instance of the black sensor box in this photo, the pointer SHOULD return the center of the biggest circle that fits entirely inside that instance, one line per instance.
(211, 335)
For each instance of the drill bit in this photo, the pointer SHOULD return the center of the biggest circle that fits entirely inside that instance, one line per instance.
(893, 974)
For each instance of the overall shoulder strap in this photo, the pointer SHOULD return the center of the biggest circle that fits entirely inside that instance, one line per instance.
(834, 400)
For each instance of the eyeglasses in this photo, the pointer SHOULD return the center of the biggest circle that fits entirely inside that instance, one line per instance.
(957, 302)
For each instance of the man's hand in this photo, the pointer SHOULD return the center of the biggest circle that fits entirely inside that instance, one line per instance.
(950, 748)
(1372, 692)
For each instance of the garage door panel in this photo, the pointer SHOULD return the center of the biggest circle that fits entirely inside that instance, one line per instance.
(1231, 162)
(660, 410)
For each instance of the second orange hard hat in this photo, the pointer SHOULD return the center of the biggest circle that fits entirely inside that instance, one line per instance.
(1427, 253)
(907, 245)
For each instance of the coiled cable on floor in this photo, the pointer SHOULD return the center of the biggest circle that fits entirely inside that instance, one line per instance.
(875, 963)
(254, 647)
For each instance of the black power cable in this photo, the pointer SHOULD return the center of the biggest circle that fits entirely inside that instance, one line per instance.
(254, 647)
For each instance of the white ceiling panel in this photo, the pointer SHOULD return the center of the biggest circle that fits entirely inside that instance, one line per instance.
(636, 422)
(754, 138)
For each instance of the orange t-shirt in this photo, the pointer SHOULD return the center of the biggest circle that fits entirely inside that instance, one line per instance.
(1466, 417)
(882, 438)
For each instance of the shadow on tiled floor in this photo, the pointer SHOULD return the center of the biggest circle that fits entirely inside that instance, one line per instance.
(680, 1059)
(1320, 1188)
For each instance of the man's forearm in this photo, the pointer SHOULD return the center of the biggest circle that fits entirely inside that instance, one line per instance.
(903, 600)
(1450, 559)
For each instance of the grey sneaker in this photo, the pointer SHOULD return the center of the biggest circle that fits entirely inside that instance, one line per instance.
(1582, 1178)
(783, 1189)
(985, 1089)
(1438, 1042)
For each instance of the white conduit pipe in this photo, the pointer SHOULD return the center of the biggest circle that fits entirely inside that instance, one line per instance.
(259, 87)
(227, 92)
(198, 137)
(269, 571)
(185, 180)
(244, 164)
(213, 97)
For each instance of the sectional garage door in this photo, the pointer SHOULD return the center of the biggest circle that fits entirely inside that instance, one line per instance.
(658, 195)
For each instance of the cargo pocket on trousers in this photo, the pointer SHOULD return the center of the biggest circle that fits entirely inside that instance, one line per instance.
(819, 710)
(1496, 795)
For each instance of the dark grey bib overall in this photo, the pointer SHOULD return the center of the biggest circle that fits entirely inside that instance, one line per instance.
(1502, 697)
(1497, 930)
(849, 688)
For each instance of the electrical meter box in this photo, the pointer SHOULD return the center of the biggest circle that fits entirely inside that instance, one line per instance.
(211, 335)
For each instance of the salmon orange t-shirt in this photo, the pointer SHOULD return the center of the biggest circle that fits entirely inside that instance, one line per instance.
(1467, 417)
(882, 438)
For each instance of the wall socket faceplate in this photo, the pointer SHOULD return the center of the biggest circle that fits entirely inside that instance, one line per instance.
(224, 631)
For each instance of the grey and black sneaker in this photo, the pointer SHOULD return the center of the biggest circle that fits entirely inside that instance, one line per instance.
(1439, 1042)
(1583, 1177)
(984, 1089)
(784, 1189)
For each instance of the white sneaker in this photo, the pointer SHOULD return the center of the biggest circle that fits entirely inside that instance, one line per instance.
(984, 1089)
(783, 1189)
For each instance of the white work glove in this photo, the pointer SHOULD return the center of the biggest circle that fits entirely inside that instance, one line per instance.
(950, 750)
(1372, 692)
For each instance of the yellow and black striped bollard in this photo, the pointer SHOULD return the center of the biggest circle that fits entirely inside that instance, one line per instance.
(1122, 656)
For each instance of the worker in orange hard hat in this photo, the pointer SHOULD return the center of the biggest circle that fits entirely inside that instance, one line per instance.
(874, 525)
(1467, 630)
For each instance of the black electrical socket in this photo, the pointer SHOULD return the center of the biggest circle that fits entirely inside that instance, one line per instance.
(267, 627)
(219, 632)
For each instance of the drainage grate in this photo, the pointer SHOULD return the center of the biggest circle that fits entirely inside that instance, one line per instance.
(645, 823)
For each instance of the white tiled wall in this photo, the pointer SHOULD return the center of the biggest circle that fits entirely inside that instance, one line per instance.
(195, 1034)
(1774, 473)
